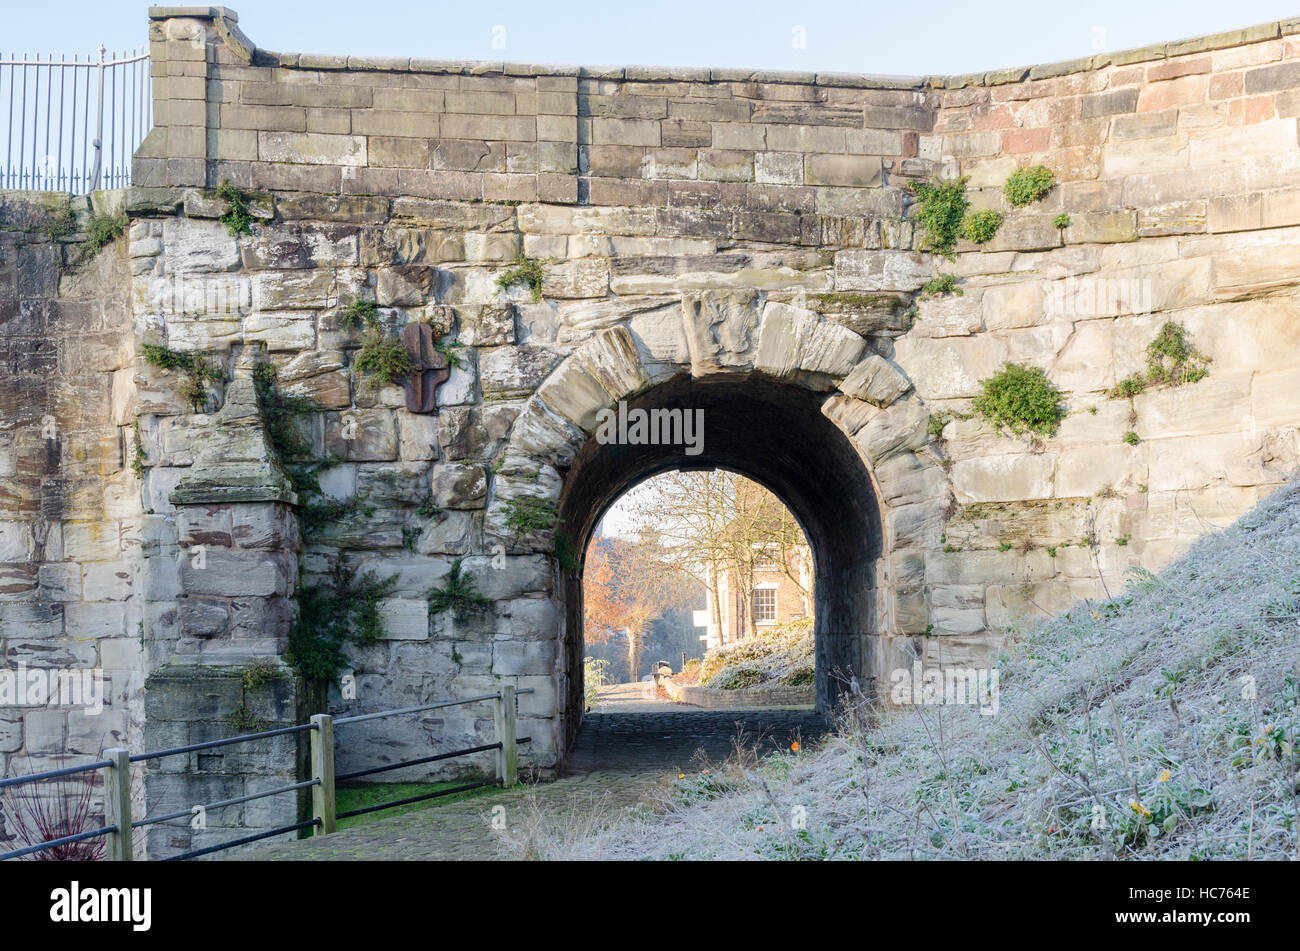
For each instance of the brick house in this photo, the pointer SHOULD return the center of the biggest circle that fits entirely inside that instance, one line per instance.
(774, 589)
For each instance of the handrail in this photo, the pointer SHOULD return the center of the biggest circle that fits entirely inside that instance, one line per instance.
(213, 744)
(117, 792)
(117, 806)
(54, 773)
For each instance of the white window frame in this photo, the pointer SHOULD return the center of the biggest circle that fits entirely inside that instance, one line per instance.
(753, 601)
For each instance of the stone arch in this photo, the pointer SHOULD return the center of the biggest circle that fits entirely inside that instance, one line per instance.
(783, 367)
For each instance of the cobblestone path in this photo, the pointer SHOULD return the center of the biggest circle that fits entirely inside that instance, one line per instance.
(621, 758)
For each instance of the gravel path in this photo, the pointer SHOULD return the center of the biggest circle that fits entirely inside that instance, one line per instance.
(618, 757)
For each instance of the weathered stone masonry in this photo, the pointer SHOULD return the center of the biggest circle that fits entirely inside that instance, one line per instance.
(733, 239)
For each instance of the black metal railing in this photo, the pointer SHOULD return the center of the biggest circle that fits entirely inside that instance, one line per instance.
(118, 825)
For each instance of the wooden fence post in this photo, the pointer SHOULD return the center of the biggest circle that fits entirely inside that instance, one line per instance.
(322, 770)
(117, 805)
(508, 754)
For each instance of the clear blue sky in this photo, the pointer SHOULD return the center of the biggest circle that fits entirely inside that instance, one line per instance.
(847, 35)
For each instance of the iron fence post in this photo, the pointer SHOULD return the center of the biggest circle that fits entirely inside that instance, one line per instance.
(99, 125)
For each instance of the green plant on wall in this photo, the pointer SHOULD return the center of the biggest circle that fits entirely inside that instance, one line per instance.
(1172, 360)
(1061, 222)
(457, 594)
(254, 676)
(528, 272)
(980, 227)
(1027, 185)
(60, 222)
(280, 412)
(942, 285)
(332, 614)
(529, 514)
(942, 208)
(381, 356)
(238, 217)
(139, 459)
(566, 552)
(1021, 399)
(198, 372)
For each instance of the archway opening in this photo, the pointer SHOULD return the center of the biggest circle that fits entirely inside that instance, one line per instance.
(705, 575)
(776, 435)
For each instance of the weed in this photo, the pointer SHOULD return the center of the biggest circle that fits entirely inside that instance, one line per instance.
(1027, 185)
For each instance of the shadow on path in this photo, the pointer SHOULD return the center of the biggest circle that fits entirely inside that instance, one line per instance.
(617, 756)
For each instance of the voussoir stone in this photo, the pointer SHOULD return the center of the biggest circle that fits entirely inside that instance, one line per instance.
(876, 380)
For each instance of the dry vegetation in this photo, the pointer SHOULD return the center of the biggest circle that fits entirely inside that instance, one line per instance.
(1157, 725)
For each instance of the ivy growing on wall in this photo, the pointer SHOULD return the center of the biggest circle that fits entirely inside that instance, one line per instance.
(342, 610)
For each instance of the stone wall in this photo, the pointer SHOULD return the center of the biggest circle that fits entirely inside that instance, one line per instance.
(71, 526)
(732, 239)
(744, 698)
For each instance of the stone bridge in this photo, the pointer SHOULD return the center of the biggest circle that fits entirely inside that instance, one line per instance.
(739, 242)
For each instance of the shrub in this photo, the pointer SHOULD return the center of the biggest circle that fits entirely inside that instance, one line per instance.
(737, 678)
(802, 677)
(1027, 185)
(59, 223)
(593, 678)
(980, 226)
(384, 359)
(1129, 386)
(1131, 438)
(361, 313)
(775, 653)
(1171, 359)
(943, 206)
(1020, 398)
(1061, 221)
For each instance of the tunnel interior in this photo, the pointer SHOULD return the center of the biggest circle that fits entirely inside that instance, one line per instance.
(775, 434)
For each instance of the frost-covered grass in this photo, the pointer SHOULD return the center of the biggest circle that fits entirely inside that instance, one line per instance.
(1158, 725)
(779, 655)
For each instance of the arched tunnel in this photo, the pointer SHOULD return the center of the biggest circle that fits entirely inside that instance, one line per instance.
(775, 434)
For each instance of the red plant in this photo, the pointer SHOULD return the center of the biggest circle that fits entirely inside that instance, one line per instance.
(51, 809)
